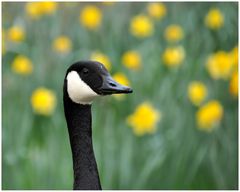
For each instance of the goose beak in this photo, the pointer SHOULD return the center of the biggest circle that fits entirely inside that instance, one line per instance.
(110, 86)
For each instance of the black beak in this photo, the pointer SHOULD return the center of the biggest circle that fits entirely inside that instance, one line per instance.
(110, 86)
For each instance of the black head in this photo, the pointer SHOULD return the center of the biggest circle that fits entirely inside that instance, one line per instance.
(87, 79)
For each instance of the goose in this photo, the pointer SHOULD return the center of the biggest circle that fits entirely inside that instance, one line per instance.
(83, 82)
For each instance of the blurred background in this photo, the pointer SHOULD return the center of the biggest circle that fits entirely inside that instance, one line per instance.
(179, 128)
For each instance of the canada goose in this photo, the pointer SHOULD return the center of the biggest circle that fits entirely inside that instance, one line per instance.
(84, 81)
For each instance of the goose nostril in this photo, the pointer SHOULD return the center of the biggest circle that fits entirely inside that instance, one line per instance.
(113, 84)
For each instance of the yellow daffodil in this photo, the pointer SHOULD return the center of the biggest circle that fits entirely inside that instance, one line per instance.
(62, 44)
(131, 60)
(22, 65)
(157, 10)
(197, 92)
(100, 57)
(233, 88)
(43, 101)
(219, 65)
(209, 115)
(173, 33)
(91, 17)
(37, 9)
(123, 80)
(16, 34)
(144, 119)
(141, 26)
(173, 56)
(214, 19)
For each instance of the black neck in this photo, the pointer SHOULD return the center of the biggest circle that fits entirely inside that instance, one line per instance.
(79, 121)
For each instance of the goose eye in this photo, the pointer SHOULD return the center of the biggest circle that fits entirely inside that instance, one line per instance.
(85, 71)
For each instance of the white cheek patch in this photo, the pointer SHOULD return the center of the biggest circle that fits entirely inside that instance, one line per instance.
(78, 90)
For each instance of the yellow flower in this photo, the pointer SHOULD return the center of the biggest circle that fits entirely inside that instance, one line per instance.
(132, 60)
(214, 19)
(48, 7)
(209, 115)
(100, 57)
(197, 92)
(144, 119)
(22, 65)
(234, 56)
(173, 33)
(173, 56)
(43, 101)
(157, 10)
(91, 17)
(141, 26)
(37, 9)
(16, 34)
(33, 9)
(123, 80)
(233, 88)
(62, 44)
(219, 65)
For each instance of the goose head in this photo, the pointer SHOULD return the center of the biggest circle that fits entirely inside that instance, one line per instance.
(86, 80)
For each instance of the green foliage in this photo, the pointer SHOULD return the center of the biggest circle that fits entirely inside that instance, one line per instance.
(36, 150)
